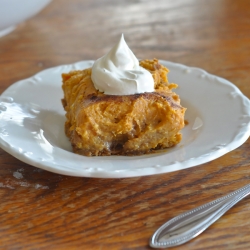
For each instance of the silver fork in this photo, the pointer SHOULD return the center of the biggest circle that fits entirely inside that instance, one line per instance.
(190, 224)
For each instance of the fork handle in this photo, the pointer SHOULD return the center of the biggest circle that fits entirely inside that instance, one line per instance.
(190, 224)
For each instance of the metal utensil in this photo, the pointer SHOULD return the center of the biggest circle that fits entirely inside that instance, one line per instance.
(190, 224)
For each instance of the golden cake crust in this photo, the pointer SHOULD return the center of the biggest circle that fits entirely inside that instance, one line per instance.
(99, 124)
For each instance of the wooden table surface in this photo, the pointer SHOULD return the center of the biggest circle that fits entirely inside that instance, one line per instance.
(43, 210)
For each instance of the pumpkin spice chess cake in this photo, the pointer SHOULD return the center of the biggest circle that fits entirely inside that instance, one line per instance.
(121, 106)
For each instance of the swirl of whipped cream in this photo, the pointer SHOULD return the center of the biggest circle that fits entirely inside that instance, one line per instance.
(119, 72)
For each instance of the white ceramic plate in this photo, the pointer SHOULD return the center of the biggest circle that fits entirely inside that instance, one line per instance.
(32, 125)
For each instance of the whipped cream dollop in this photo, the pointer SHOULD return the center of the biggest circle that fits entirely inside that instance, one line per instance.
(119, 72)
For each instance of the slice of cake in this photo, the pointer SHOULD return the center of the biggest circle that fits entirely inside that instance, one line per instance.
(130, 124)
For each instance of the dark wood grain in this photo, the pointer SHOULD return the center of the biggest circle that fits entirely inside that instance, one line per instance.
(42, 210)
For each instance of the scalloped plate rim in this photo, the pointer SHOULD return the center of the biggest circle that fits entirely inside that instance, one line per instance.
(241, 136)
